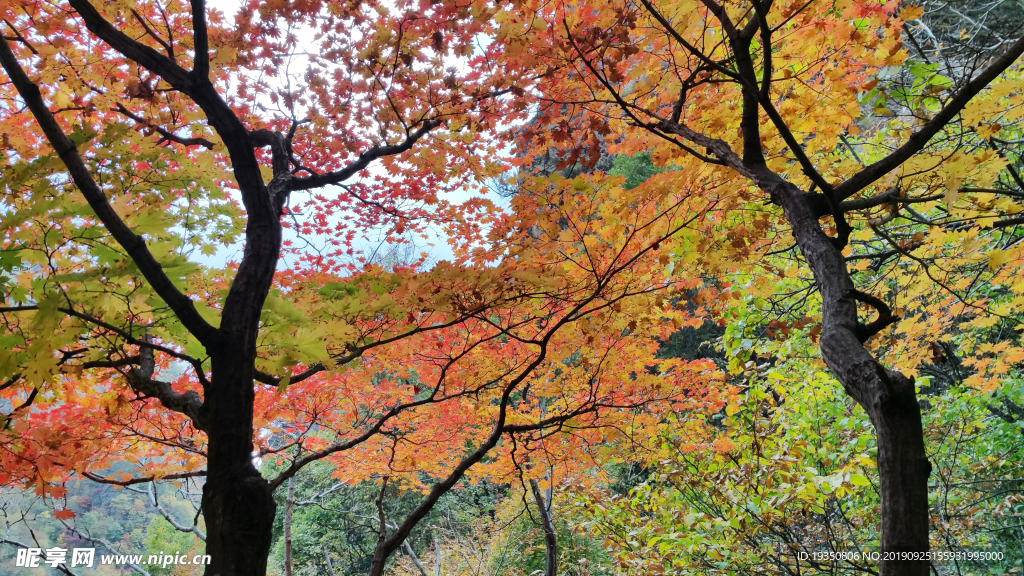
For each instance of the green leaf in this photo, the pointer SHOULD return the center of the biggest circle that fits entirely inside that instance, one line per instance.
(859, 480)
(283, 384)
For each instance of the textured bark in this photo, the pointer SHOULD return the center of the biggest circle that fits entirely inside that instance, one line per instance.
(239, 511)
(238, 503)
(888, 397)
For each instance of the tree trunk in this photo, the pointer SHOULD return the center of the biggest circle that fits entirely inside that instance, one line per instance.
(888, 397)
(289, 506)
(550, 538)
(903, 471)
(407, 548)
(437, 559)
(238, 504)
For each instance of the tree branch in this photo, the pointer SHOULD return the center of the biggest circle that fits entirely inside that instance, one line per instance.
(139, 569)
(165, 133)
(147, 57)
(550, 541)
(141, 380)
(200, 37)
(885, 315)
(339, 176)
(62, 567)
(133, 481)
(141, 342)
(133, 244)
(245, 297)
(919, 139)
(153, 35)
(194, 529)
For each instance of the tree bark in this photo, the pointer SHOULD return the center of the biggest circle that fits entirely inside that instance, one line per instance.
(888, 397)
(407, 548)
(437, 558)
(238, 503)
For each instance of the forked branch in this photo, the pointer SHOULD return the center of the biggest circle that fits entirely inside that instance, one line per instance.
(885, 315)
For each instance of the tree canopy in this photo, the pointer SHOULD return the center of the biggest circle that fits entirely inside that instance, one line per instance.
(710, 209)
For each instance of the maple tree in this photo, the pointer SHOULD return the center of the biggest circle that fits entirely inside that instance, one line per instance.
(141, 138)
(94, 81)
(771, 97)
(138, 137)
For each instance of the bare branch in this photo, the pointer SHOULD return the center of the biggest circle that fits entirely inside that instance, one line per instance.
(165, 133)
(194, 529)
(153, 35)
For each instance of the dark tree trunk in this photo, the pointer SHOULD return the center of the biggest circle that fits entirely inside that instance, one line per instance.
(238, 504)
(888, 397)
(903, 471)
(239, 511)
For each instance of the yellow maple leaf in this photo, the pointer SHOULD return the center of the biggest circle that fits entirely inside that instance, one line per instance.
(911, 12)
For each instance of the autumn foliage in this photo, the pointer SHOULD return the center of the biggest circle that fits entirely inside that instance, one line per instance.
(191, 287)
